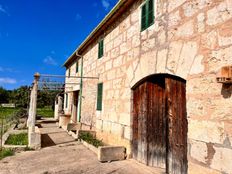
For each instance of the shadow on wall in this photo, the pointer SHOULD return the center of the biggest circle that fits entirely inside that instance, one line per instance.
(226, 90)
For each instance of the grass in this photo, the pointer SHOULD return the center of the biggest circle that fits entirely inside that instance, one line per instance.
(7, 112)
(86, 136)
(5, 153)
(45, 112)
(5, 116)
(17, 139)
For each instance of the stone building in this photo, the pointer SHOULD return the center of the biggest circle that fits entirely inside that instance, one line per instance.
(154, 90)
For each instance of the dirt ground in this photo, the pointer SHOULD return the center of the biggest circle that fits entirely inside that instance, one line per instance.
(71, 158)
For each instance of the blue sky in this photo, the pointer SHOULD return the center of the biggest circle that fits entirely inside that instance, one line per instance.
(39, 35)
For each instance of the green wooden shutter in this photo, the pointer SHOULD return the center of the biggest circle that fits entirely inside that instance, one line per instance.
(77, 66)
(150, 17)
(100, 49)
(99, 96)
(143, 17)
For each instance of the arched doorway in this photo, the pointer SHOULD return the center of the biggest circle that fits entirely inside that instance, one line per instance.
(160, 123)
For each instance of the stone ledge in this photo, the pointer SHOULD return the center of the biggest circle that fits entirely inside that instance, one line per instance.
(111, 153)
(90, 146)
(73, 126)
(16, 147)
(107, 153)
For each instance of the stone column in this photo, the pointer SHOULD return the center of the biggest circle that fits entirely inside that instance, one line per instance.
(60, 105)
(32, 112)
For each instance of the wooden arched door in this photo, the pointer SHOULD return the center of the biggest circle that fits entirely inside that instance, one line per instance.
(160, 123)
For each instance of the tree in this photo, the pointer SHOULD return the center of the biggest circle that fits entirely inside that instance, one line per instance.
(46, 98)
(4, 95)
(21, 96)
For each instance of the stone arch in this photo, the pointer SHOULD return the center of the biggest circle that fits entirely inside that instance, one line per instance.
(150, 77)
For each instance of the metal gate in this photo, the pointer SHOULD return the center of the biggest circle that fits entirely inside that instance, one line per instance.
(160, 123)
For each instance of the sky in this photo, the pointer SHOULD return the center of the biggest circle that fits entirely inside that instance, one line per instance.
(39, 35)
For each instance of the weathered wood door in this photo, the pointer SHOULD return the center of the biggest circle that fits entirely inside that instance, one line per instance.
(159, 123)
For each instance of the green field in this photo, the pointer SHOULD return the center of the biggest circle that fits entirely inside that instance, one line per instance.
(45, 112)
(6, 112)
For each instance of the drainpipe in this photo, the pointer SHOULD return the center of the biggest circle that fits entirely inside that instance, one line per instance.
(81, 88)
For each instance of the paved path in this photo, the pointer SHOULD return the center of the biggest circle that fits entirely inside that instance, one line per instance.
(51, 135)
(66, 156)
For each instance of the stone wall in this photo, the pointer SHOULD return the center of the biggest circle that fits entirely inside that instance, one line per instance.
(190, 39)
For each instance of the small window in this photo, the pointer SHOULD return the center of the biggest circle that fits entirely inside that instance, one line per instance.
(66, 101)
(77, 66)
(147, 14)
(99, 96)
(100, 49)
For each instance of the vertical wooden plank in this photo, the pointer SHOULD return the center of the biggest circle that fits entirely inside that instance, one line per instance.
(140, 123)
(139, 157)
(144, 123)
(184, 130)
(150, 108)
(162, 125)
(135, 124)
(177, 127)
(169, 129)
(156, 137)
(155, 125)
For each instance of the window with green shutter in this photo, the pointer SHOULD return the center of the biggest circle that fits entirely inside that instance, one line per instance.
(100, 49)
(77, 66)
(147, 14)
(99, 96)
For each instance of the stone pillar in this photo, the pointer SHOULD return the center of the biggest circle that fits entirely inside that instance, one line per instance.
(32, 112)
(58, 107)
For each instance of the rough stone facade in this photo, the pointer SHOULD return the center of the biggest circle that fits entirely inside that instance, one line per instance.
(191, 39)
